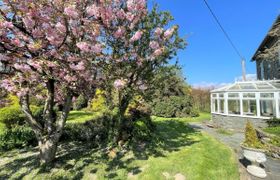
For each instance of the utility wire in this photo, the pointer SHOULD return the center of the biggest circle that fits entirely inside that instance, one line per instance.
(223, 30)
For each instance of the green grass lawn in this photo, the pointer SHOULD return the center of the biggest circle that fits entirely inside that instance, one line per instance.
(81, 116)
(175, 149)
(273, 130)
(202, 117)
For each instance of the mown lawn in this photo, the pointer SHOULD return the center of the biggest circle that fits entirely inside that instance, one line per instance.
(175, 150)
(202, 117)
(273, 130)
(81, 116)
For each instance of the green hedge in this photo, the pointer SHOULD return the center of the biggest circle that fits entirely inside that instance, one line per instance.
(273, 122)
(80, 103)
(17, 137)
(174, 106)
(95, 130)
(11, 115)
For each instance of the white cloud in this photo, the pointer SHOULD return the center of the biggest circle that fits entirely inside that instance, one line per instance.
(214, 85)
(208, 85)
(249, 77)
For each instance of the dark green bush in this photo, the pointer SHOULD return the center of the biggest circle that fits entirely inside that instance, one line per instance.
(142, 129)
(80, 103)
(37, 111)
(94, 131)
(11, 115)
(17, 137)
(138, 125)
(173, 106)
(273, 122)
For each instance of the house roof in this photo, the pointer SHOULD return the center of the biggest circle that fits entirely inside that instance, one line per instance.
(251, 86)
(268, 37)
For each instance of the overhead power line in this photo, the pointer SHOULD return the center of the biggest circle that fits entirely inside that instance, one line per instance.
(229, 39)
(223, 30)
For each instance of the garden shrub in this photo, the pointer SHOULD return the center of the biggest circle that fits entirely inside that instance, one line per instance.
(94, 131)
(251, 139)
(173, 106)
(138, 125)
(80, 103)
(17, 137)
(37, 111)
(11, 115)
(99, 102)
(2, 127)
(273, 122)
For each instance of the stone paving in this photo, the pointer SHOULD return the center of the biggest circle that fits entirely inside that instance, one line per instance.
(272, 166)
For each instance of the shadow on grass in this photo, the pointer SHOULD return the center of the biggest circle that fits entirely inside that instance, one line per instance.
(169, 136)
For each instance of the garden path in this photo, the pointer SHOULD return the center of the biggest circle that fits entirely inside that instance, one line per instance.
(272, 166)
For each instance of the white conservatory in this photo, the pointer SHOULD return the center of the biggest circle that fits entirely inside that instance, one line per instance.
(247, 99)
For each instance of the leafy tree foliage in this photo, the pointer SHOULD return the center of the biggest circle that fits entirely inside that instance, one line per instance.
(137, 52)
(201, 99)
(172, 94)
(57, 46)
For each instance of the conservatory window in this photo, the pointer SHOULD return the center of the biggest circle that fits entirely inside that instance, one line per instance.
(215, 105)
(249, 107)
(233, 95)
(267, 108)
(233, 106)
(249, 95)
(214, 95)
(267, 95)
(222, 106)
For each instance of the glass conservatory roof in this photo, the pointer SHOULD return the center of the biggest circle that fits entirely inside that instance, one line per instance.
(251, 86)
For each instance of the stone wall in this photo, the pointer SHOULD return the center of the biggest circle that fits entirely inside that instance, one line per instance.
(236, 123)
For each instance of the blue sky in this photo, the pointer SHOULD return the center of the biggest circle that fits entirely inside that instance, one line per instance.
(209, 58)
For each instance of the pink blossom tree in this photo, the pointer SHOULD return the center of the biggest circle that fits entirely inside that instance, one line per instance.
(54, 48)
(139, 47)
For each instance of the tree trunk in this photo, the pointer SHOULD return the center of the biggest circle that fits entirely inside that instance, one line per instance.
(124, 102)
(49, 133)
(47, 147)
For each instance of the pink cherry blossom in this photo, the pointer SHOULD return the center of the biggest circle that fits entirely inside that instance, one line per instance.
(121, 14)
(119, 33)
(169, 32)
(119, 84)
(136, 36)
(79, 67)
(16, 42)
(71, 12)
(97, 48)
(7, 24)
(158, 52)
(60, 27)
(130, 16)
(83, 46)
(93, 10)
(22, 67)
(28, 22)
(154, 45)
(158, 31)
